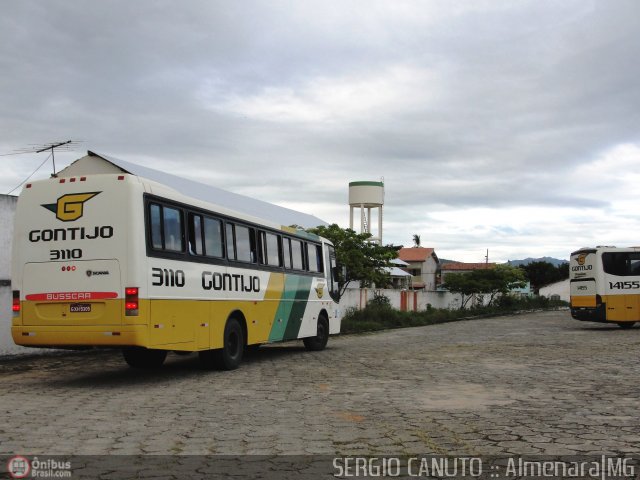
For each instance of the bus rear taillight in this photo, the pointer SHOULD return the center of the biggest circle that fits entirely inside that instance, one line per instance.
(15, 307)
(131, 301)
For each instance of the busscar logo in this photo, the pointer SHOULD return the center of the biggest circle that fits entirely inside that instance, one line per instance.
(70, 207)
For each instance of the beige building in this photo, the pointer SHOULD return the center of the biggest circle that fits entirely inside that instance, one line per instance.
(422, 265)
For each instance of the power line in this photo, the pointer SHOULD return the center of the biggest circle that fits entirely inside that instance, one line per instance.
(39, 148)
(32, 174)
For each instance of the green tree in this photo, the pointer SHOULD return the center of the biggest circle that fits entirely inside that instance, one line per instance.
(500, 279)
(363, 260)
(545, 273)
(463, 283)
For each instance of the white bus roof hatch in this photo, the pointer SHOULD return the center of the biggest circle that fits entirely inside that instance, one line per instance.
(94, 163)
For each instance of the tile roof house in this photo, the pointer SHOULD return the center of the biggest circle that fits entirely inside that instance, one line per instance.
(461, 267)
(423, 266)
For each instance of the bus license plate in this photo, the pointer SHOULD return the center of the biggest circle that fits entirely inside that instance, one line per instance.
(80, 307)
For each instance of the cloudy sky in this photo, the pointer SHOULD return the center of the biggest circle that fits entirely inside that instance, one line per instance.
(509, 125)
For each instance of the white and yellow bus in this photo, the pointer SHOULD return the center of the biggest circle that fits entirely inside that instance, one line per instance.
(107, 258)
(605, 285)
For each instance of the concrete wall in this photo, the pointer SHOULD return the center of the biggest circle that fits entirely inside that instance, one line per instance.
(408, 299)
(7, 347)
(7, 210)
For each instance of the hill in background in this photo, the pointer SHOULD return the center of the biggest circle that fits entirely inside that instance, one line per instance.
(515, 263)
(554, 261)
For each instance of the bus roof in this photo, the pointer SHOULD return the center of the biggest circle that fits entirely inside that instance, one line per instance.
(100, 163)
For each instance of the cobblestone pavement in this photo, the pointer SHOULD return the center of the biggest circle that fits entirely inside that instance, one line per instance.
(531, 383)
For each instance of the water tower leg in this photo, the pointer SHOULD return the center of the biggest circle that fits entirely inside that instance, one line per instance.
(380, 225)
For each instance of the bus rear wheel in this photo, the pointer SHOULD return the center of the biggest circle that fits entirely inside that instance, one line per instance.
(139, 357)
(626, 325)
(319, 342)
(229, 356)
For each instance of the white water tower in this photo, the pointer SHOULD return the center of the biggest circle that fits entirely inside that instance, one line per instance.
(369, 198)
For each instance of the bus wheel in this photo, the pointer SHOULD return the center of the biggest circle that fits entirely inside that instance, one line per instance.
(626, 325)
(230, 355)
(318, 342)
(139, 357)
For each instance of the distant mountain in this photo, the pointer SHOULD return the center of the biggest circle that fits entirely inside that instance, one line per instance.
(515, 263)
(527, 261)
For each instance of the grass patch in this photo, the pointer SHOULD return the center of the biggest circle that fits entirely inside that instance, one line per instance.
(379, 315)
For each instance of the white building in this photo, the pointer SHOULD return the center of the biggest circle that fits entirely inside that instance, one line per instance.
(7, 210)
(558, 290)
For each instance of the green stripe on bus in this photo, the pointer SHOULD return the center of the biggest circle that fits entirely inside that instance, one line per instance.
(286, 324)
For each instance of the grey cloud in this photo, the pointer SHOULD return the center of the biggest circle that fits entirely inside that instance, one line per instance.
(515, 98)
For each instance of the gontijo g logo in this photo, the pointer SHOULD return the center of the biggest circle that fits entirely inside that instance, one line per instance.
(70, 207)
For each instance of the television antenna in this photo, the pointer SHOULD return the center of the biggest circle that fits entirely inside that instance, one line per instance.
(67, 145)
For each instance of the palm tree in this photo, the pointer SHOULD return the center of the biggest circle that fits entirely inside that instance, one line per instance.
(416, 240)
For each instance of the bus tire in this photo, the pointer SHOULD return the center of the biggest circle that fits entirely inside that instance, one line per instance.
(229, 356)
(625, 325)
(319, 342)
(139, 357)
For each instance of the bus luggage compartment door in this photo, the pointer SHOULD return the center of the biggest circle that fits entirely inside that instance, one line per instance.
(623, 307)
(73, 293)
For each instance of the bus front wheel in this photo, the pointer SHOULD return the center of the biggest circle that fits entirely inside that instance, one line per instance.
(230, 355)
(317, 343)
(139, 357)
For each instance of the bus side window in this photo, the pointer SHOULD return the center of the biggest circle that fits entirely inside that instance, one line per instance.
(314, 256)
(231, 244)
(166, 229)
(297, 255)
(269, 249)
(173, 232)
(286, 249)
(195, 234)
(155, 221)
(213, 244)
(245, 244)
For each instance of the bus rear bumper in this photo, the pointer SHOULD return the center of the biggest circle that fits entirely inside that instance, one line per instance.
(588, 314)
(80, 336)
